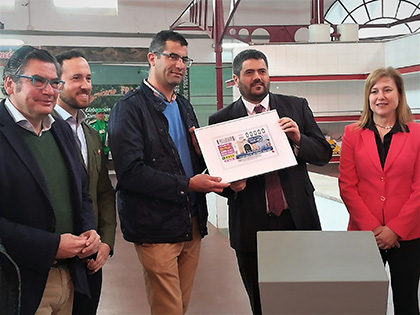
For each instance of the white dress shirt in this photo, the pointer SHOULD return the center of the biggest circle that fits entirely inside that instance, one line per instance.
(76, 126)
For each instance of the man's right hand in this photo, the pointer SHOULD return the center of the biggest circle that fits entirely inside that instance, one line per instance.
(70, 246)
(205, 183)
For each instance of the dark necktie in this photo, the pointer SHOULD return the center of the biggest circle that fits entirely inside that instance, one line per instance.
(258, 109)
(76, 137)
(272, 185)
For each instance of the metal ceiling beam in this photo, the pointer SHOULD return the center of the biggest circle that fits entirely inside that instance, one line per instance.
(389, 25)
(90, 34)
(197, 14)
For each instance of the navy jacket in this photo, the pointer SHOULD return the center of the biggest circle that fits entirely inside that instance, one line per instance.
(27, 220)
(153, 203)
(247, 209)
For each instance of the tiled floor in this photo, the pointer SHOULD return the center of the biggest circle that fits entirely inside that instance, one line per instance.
(218, 288)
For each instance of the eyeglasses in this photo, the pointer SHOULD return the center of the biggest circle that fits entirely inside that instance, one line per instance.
(41, 83)
(175, 57)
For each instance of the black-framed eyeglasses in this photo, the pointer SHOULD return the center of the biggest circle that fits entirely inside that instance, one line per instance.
(175, 57)
(41, 83)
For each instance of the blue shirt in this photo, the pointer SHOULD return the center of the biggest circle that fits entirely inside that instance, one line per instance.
(178, 134)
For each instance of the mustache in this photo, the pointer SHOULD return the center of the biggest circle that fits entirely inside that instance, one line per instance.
(257, 81)
(85, 91)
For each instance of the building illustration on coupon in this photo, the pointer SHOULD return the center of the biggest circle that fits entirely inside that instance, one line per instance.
(245, 146)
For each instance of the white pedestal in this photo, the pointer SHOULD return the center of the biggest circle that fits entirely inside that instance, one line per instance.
(319, 33)
(349, 32)
(308, 272)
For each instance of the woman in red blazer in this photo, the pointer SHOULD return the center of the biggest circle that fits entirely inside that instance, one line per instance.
(380, 181)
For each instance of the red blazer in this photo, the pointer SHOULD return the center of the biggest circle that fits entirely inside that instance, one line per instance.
(375, 196)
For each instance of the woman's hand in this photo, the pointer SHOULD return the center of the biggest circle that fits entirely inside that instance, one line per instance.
(386, 238)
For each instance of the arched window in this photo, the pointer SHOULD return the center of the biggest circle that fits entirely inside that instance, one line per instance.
(373, 16)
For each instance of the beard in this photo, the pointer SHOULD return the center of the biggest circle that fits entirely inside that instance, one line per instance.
(72, 101)
(254, 95)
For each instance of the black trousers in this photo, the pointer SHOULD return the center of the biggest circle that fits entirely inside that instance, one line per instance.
(404, 266)
(82, 305)
(248, 261)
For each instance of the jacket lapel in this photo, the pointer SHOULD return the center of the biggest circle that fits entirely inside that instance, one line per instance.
(90, 147)
(398, 141)
(370, 147)
(11, 132)
(274, 104)
(67, 145)
(239, 109)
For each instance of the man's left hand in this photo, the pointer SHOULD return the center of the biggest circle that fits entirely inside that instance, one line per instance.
(291, 129)
(92, 243)
(103, 253)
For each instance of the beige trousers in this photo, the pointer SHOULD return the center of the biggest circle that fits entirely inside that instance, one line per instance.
(58, 294)
(169, 271)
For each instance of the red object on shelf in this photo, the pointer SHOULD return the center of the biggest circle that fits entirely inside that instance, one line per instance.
(317, 77)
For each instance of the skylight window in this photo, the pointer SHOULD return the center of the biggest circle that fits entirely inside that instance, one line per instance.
(91, 7)
(7, 5)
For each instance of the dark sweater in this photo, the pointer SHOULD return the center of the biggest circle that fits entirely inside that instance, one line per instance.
(53, 167)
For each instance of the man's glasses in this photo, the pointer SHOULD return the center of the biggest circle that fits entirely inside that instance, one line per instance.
(41, 83)
(175, 57)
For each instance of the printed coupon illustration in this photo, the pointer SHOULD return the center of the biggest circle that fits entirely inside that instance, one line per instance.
(245, 147)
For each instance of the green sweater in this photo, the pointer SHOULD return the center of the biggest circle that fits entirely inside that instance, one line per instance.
(52, 164)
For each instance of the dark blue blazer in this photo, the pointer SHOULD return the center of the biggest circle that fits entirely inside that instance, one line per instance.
(27, 220)
(247, 209)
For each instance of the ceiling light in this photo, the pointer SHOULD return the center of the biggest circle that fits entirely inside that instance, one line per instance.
(11, 42)
(86, 4)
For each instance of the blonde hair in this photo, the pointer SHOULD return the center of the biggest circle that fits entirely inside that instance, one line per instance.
(403, 111)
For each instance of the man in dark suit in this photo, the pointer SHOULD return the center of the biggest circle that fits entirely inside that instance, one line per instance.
(250, 210)
(74, 97)
(46, 221)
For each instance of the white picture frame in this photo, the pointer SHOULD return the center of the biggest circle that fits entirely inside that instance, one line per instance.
(245, 147)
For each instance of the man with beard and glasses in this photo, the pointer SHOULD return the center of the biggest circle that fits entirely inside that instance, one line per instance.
(250, 208)
(75, 97)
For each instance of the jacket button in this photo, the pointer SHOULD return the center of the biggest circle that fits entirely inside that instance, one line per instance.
(182, 192)
(383, 198)
(382, 179)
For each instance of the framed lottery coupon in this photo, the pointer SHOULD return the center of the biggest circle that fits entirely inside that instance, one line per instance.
(245, 147)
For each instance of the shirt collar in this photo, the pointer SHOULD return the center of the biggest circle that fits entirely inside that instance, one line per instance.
(23, 122)
(250, 106)
(159, 94)
(65, 115)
